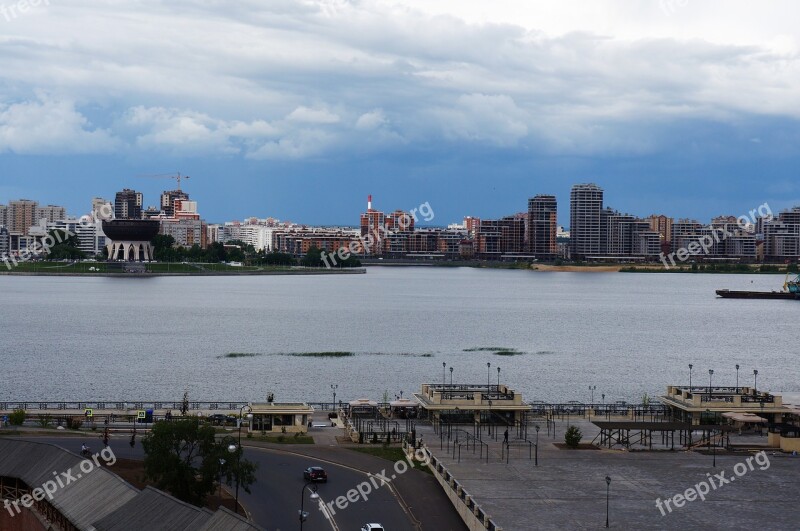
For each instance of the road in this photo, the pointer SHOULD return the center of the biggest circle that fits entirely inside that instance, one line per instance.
(274, 501)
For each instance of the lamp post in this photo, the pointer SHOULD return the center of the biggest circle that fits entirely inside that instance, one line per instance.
(221, 464)
(498, 379)
(334, 387)
(444, 365)
(238, 450)
(755, 381)
(591, 404)
(737, 378)
(489, 420)
(451, 376)
(714, 451)
(488, 377)
(536, 459)
(608, 489)
(710, 374)
(690, 377)
(314, 496)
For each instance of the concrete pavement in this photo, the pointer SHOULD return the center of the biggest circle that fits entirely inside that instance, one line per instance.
(568, 488)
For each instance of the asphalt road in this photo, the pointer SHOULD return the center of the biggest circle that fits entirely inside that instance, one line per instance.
(274, 500)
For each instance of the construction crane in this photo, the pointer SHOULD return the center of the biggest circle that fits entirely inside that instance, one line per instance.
(177, 176)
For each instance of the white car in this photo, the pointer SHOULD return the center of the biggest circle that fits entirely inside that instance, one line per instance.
(372, 527)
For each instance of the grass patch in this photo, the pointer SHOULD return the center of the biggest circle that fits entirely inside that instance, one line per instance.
(240, 355)
(283, 439)
(333, 354)
(389, 453)
(508, 352)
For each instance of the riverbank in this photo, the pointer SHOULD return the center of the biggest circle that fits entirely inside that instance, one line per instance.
(181, 272)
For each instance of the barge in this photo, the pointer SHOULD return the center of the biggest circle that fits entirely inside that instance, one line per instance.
(730, 294)
(791, 290)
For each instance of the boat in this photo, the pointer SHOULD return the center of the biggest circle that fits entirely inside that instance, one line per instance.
(791, 290)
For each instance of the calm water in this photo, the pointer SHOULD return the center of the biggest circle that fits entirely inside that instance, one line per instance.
(628, 334)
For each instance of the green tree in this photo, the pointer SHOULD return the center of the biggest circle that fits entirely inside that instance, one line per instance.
(65, 247)
(17, 417)
(572, 437)
(183, 458)
(313, 258)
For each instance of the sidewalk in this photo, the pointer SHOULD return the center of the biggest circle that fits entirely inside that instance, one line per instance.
(568, 488)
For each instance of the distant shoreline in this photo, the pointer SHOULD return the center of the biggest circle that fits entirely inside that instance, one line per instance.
(353, 271)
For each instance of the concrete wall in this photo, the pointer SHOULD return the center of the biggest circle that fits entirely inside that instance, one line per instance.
(471, 513)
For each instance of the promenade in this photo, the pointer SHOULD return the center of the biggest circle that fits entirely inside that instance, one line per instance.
(568, 488)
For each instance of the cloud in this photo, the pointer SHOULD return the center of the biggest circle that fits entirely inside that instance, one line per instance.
(371, 120)
(313, 116)
(293, 79)
(50, 126)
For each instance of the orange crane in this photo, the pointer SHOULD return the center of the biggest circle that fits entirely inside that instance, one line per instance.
(177, 176)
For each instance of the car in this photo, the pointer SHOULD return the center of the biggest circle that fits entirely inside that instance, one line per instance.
(372, 527)
(315, 473)
(218, 419)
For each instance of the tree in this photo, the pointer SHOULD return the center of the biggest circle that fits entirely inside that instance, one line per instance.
(572, 437)
(183, 458)
(313, 258)
(66, 246)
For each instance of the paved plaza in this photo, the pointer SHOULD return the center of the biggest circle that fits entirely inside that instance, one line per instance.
(568, 488)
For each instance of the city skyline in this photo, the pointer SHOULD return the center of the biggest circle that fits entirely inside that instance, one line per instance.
(521, 205)
(301, 109)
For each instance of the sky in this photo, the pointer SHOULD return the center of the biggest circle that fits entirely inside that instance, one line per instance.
(298, 109)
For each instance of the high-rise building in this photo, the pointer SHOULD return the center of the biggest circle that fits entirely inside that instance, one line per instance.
(373, 224)
(168, 199)
(586, 203)
(50, 214)
(542, 226)
(102, 209)
(5, 242)
(128, 204)
(512, 234)
(782, 236)
(3, 216)
(662, 225)
(21, 216)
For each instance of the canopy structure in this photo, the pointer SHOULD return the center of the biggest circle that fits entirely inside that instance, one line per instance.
(745, 417)
(404, 402)
(363, 402)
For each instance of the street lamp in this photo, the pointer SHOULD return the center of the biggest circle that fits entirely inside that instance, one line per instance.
(451, 376)
(489, 420)
(221, 464)
(488, 378)
(314, 496)
(591, 404)
(443, 373)
(755, 381)
(737, 378)
(498, 379)
(710, 374)
(690, 377)
(334, 387)
(233, 448)
(608, 488)
(536, 461)
(714, 451)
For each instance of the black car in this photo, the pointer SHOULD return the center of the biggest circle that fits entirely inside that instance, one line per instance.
(218, 419)
(315, 473)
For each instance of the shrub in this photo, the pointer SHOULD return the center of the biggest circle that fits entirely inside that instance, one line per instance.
(374, 438)
(572, 437)
(74, 423)
(44, 421)
(17, 417)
